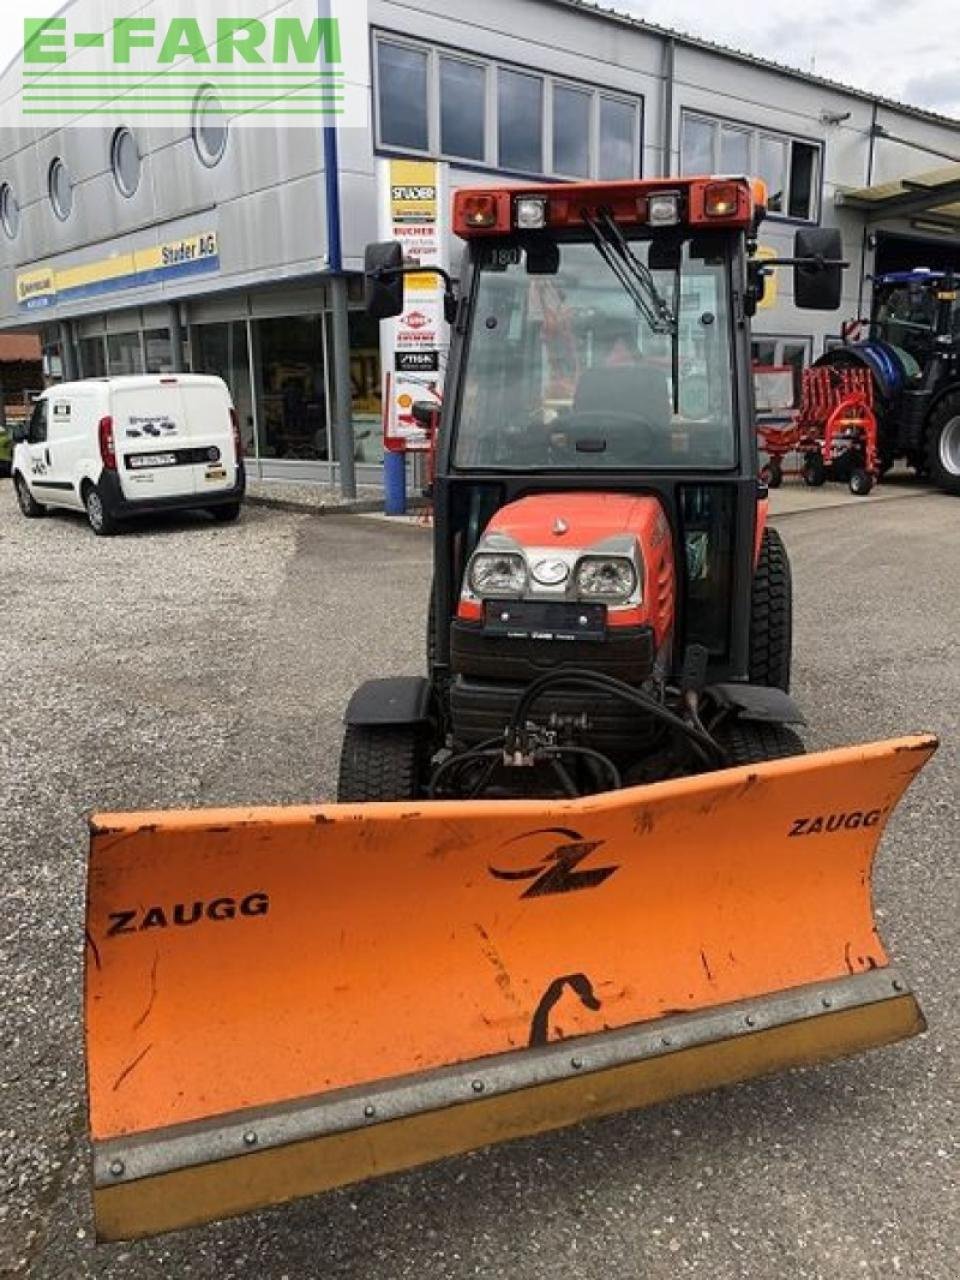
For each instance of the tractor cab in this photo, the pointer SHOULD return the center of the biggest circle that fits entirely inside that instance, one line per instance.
(597, 510)
(913, 311)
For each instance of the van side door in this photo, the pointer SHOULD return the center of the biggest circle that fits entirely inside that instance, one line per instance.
(64, 423)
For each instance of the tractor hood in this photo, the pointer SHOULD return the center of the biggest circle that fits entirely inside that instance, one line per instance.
(579, 521)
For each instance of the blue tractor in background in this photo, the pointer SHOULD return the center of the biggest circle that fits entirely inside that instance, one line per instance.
(913, 355)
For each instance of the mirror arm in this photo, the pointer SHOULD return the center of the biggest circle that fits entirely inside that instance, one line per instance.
(818, 263)
(389, 273)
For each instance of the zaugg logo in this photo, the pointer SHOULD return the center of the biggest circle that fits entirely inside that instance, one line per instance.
(140, 919)
(828, 823)
(559, 870)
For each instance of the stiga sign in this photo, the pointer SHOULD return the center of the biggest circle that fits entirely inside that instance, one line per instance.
(252, 60)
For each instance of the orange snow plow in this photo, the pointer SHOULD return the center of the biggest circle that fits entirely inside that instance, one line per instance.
(282, 1001)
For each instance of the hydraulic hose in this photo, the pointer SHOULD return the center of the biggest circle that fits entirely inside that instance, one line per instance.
(575, 677)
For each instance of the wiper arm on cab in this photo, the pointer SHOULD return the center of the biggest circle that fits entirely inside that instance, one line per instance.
(635, 276)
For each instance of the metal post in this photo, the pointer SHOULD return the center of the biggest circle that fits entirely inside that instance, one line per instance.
(342, 400)
(176, 338)
(68, 354)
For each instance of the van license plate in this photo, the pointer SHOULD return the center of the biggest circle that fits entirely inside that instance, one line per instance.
(138, 461)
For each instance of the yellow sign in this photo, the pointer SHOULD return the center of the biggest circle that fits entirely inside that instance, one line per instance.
(764, 253)
(189, 255)
(413, 191)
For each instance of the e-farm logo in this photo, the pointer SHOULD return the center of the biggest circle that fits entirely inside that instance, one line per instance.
(255, 61)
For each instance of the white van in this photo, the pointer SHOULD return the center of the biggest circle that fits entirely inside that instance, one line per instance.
(120, 447)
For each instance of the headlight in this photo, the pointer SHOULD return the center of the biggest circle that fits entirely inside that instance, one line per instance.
(492, 573)
(606, 578)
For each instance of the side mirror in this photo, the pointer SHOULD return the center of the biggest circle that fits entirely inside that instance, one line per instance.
(818, 275)
(20, 432)
(383, 273)
(425, 413)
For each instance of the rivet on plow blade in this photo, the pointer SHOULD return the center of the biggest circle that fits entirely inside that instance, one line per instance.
(393, 962)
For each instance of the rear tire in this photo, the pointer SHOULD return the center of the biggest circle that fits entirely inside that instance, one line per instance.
(943, 444)
(382, 762)
(753, 741)
(226, 514)
(98, 517)
(771, 615)
(772, 475)
(28, 504)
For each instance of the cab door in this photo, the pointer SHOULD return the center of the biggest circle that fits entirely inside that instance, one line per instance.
(38, 470)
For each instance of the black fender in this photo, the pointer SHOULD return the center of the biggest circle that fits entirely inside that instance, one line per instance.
(757, 702)
(397, 700)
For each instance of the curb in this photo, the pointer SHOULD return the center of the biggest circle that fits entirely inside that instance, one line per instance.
(358, 507)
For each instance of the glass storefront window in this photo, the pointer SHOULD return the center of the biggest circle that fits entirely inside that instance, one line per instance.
(159, 358)
(221, 349)
(124, 354)
(366, 393)
(293, 397)
(93, 358)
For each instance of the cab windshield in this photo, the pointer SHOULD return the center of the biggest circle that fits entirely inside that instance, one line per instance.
(580, 359)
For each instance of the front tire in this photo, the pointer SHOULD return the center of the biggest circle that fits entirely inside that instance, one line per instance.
(860, 482)
(753, 741)
(381, 762)
(771, 615)
(28, 504)
(943, 444)
(98, 517)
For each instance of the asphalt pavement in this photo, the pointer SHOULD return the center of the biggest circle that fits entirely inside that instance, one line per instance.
(188, 664)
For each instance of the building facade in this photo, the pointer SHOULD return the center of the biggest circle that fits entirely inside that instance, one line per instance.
(209, 248)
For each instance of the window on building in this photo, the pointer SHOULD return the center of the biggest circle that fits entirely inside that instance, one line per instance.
(124, 354)
(125, 162)
(402, 92)
(209, 127)
(292, 413)
(463, 109)
(365, 388)
(789, 166)
(460, 108)
(9, 211)
(60, 189)
(571, 131)
(783, 353)
(519, 121)
(221, 349)
(156, 343)
(619, 151)
(93, 357)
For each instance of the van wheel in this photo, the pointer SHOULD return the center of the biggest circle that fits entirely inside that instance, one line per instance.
(101, 521)
(30, 507)
(227, 514)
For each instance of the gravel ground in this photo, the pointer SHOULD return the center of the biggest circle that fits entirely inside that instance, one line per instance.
(187, 663)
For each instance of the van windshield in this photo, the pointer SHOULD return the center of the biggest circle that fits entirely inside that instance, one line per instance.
(579, 368)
